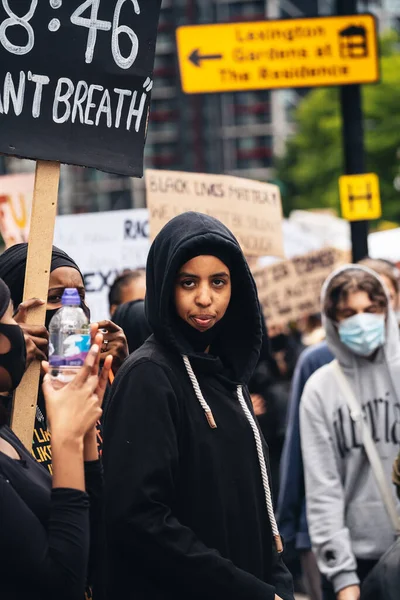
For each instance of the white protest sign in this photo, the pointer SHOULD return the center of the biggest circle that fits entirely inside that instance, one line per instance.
(103, 245)
(16, 193)
(250, 209)
(290, 289)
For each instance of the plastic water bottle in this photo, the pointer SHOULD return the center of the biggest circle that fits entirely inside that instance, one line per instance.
(69, 339)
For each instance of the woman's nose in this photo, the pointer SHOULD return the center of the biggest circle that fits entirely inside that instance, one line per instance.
(204, 297)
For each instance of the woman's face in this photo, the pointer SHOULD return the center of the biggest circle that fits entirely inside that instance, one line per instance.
(355, 304)
(6, 319)
(203, 291)
(61, 278)
(5, 348)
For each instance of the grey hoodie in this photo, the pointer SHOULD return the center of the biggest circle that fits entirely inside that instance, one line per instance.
(346, 515)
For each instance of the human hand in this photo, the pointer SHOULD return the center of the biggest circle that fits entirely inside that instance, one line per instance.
(36, 336)
(352, 592)
(277, 597)
(98, 339)
(258, 404)
(90, 447)
(75, 408)
(114, 343)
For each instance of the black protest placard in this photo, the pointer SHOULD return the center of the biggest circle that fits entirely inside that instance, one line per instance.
(76, 79)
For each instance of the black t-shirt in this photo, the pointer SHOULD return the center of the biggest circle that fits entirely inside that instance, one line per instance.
(45, 533)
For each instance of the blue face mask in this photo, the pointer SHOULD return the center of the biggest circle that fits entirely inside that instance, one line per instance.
(363, 333)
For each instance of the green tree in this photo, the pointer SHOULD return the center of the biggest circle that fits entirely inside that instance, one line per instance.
(313, 161)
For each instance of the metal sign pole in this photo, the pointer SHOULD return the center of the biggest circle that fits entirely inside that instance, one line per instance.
(353, 142)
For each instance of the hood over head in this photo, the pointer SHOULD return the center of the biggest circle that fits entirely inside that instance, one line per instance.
(132, 319)
(5, 298)
(13, 266)
(239, 334)
(391, 348)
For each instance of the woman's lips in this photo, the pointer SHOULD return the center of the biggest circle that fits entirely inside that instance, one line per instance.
(203, 321)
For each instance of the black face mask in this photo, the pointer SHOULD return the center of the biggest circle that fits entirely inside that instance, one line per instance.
(279, 343)
(14, 361)
(50, 313)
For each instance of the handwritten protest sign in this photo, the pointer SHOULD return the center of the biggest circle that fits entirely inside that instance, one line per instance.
(104, 244)
(251, 209)
(75, 80)
(16, 193)
(75, 83)
(291, 289)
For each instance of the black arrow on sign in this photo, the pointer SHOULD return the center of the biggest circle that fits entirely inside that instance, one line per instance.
(196, 58)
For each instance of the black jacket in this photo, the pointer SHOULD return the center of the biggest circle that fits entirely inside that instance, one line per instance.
(186, 515)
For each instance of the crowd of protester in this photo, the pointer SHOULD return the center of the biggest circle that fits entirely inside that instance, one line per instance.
(191, 425)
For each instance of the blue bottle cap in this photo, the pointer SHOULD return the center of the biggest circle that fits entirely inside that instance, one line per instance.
(71, 297)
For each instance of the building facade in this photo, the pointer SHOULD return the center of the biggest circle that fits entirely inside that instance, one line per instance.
(235, 133)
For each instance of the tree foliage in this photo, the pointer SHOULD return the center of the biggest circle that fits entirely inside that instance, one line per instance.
(313, 161)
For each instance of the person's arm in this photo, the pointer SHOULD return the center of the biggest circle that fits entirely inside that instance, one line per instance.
(94, 488)
(53, 560)
(141, 462)
(291, 490)
(281, 577)
(324, 493)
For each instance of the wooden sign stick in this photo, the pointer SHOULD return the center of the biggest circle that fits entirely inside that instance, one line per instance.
(44, 211)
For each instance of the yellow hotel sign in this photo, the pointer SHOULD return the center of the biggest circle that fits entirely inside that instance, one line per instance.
(278, 54)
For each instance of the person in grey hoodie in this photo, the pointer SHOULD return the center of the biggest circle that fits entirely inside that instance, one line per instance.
(349, 527)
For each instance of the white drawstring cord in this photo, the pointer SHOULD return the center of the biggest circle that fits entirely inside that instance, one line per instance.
(264, 473)
(257, 439)
(198, 392)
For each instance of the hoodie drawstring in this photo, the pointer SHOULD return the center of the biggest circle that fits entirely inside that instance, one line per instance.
(198, 392)
(257, 439)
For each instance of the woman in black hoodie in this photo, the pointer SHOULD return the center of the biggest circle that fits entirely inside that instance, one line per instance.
(188, 504)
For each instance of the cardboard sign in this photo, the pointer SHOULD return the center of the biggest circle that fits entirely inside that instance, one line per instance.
(75, 80)
(291, 289)
(250, 209)
(16, 192)
(104, 244)
(288, 53)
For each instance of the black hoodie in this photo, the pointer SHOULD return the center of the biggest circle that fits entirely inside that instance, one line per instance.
(186, 513)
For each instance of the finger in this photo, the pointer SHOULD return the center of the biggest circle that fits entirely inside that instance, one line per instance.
(85, 372)
(40, 356)
(40, 342)
(98, 340)
(109, 325)
(94, 328)
(105, 355)
(114, 336)
(21, 313)
(35, 330)
(91, 384)
(45, 367)
(104, 375)
(47, 385)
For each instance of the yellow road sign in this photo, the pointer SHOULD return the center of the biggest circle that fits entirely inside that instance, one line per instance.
(360, 197)
(278, 54)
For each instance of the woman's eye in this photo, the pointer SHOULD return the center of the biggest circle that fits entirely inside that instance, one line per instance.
(54, 299)
(219, 282)
(188, 285)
